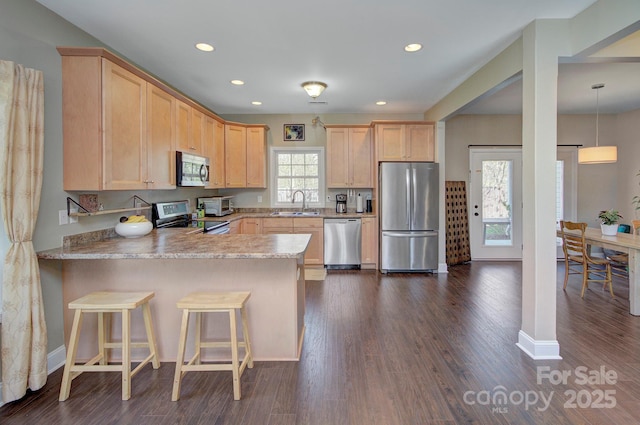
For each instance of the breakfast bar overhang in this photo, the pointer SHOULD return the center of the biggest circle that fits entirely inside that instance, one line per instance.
(173, 263)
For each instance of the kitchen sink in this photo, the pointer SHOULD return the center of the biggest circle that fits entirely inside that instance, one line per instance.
(295, 213)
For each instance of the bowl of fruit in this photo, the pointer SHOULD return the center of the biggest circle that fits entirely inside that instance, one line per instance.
(133, 226)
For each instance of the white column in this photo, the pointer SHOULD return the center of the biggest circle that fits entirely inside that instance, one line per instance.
(442, 232)
(541, 42)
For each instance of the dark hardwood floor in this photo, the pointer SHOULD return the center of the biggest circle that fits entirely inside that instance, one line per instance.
(397, 349)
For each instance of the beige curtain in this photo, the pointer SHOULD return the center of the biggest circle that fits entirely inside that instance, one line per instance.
(24, 333)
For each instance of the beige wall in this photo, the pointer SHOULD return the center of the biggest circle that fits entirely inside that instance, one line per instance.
(314, 136)
(29, 34)
(628, 166)
(600, 186)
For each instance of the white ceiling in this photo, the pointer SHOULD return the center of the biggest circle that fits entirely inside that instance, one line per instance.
(355, 46)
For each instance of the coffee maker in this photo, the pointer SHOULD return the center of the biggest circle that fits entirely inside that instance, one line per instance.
(341, 203)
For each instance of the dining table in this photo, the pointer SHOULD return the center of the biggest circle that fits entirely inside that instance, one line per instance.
(621, 242)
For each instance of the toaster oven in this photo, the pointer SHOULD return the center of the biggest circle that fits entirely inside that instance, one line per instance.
(216, 206)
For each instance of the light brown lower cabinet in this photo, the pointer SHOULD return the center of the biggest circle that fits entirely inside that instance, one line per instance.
(369, 243)
(251, 226)
(315, 250)
(314, 226)
(235, 227)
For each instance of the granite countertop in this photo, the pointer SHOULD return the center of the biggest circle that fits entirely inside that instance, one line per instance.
(183, 243)
(267, 213)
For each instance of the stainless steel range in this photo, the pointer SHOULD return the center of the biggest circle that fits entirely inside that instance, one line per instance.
(176, 214)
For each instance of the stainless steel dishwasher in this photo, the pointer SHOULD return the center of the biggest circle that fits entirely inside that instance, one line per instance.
(342, 243)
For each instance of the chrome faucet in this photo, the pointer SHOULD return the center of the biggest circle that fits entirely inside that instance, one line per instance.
(293, 199)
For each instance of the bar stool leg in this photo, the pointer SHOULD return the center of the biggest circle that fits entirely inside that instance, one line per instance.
(177, 377)
(102, 330)
(126, 354)
(65, 387)
(198, 337)
(234, 354)
(245, 335)
(151, 339)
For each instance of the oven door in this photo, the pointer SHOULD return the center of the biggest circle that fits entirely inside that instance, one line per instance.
(216, 228)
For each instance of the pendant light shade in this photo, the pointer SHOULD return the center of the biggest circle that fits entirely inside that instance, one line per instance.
(314, 88)
(597, 154)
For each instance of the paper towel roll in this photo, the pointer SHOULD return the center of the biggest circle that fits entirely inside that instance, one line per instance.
(359, 208)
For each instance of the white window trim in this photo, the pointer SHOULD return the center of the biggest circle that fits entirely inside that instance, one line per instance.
(272, 175)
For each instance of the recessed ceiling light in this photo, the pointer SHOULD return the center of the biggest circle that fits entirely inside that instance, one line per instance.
(413, 47)
(204, 47)
(381, 102)
(256, 103)
(237, 82)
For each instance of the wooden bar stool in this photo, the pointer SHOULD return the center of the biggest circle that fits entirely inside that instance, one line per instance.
(101, 303)
(211, 302)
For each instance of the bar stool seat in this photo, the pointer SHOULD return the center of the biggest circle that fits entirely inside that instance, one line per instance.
(109, 302)
(213, 302)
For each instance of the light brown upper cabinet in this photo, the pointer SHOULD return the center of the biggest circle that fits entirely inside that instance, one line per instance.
(213, 147)
(183, 126)
(197, 132)
(161, 162)
(256, 156)
(113, 127)
(349, 157)
(245, 155)
(405, 141)
(235, 151)
(122, 127)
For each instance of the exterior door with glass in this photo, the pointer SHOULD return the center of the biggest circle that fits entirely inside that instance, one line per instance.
(495, 213)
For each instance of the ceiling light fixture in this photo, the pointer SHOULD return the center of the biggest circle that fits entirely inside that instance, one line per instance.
(314, 88)
(413, 47)
(597, 154)
(381, 103)
(205, 47)
(256, 103)
(237, 82)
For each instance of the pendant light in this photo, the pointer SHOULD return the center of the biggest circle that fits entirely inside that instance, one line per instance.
(597, 154)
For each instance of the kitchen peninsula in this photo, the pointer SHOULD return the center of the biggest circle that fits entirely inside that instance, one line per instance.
(175, 262)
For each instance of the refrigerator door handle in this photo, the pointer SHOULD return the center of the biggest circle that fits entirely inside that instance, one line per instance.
(414, 196)
(423, 234)
(408, 182)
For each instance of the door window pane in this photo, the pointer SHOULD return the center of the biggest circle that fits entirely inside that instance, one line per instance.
(497, 220)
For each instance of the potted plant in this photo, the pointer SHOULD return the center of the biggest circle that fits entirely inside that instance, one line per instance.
(609, 222)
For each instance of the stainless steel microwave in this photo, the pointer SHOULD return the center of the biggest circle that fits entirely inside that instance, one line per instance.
(215, 206)
(191, 170)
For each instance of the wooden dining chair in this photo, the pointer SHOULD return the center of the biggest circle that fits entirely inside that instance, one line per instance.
(578, 261)
(620, 260)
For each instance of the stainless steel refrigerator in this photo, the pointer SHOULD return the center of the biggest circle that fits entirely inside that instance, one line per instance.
(408, 216)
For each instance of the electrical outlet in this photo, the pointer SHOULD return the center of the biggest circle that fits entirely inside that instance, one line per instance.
(73, 219)
(63, 218)
(259, 199)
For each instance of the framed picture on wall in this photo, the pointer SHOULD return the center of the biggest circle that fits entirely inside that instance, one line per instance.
(294, 132)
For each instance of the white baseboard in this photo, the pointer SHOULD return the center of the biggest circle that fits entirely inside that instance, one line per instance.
(538, 349)
(442, 268)
(55, 360)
